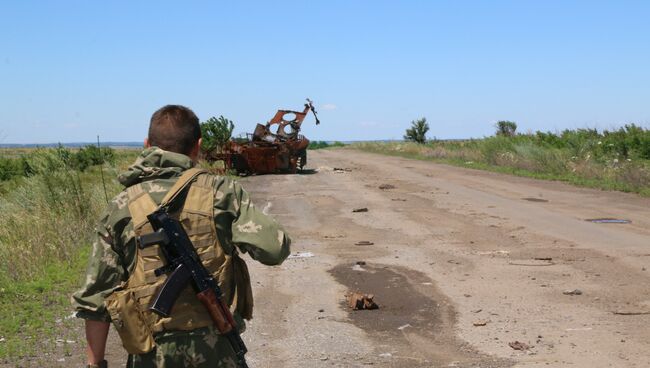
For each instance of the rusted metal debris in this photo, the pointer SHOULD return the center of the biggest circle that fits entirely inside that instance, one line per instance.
(386, 186)
(518, 345)
(359, 301)
(276, 147)
(364, 242)
(608, 220)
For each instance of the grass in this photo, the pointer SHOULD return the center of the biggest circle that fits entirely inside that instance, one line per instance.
(33, 312)
(324, 144)
(524, 157)
(48, 219)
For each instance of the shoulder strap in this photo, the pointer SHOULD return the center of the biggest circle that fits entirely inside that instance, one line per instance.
(186, 178)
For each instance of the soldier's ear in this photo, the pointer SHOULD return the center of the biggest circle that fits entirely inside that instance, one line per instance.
(195, 151)
(146, 143)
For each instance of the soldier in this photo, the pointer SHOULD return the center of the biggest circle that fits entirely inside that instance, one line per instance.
(221, 221)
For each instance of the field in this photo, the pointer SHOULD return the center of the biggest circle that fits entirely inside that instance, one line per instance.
(462, 262)
(612, 160)
(49, 201)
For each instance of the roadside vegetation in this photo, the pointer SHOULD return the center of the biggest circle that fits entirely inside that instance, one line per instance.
(50, 199)
(215, 132)
(418, 131)
(610, 159)
(313, 145)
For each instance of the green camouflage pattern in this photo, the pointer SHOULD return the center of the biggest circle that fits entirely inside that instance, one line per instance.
(202, 348)
(239, 224)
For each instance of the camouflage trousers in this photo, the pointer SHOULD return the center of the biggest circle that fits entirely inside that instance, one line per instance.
(201, 348)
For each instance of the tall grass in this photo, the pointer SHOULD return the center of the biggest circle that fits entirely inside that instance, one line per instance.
(48, 215)
(47, 221)
(618, 160)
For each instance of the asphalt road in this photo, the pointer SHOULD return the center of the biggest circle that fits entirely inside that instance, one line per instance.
(462, 264)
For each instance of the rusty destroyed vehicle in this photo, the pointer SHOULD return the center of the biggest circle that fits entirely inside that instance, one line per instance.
(276, 147)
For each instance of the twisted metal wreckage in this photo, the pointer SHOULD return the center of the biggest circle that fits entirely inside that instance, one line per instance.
(265, 152)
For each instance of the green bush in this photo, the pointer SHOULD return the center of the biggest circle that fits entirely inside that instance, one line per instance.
(52, 159)
(91, 155)
(506, 128)
(324, 144)
(12, 167)
(418, 131)
(617, 159)
(215, 132)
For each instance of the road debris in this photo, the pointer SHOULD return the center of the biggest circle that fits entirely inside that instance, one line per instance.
(398, 199)
(364, 242)
(361, 263)
(386, 186)
(518, 345)
(631, 313)
(401, 328)
(359, 301)
(480, 323)
(493, 252)
(533, 199)
(608, 220)
(477, 310)
(543, 259)
(301, 255)
(357, 267)
(362, 209)
(572, 292)
(533, 263)
(341, 170)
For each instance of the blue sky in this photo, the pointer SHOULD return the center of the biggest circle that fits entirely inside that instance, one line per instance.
(70, 70)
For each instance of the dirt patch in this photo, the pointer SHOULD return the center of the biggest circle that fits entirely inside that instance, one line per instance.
(414, 325)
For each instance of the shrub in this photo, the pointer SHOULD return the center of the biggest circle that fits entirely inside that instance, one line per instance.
(418, 130)
(91, 155)
(324, 144)
(215, 133)
(506, 128)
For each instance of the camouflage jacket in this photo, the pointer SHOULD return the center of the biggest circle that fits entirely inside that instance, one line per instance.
(239, 223)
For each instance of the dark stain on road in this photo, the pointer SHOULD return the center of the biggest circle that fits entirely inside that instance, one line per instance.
(414, 322)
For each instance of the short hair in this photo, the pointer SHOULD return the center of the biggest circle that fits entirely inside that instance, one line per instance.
(174, 128)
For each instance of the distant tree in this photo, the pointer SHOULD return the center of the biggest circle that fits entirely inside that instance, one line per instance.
(215, 133)
(506, 128)
(418, 130)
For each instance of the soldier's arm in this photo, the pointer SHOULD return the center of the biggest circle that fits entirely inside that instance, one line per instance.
(96, 336)
(103, 275)
(254, 232)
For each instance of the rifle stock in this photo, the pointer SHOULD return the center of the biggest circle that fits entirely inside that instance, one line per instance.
(216, 310)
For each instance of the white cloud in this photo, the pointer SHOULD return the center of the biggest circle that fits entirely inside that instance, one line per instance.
(329, 106)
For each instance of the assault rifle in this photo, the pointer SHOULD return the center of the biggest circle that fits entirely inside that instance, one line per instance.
(185, 265)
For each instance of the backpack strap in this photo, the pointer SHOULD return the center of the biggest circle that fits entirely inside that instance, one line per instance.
(140, 205)
(185, 179)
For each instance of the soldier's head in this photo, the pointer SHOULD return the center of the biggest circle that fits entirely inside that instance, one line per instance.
(175, 128)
